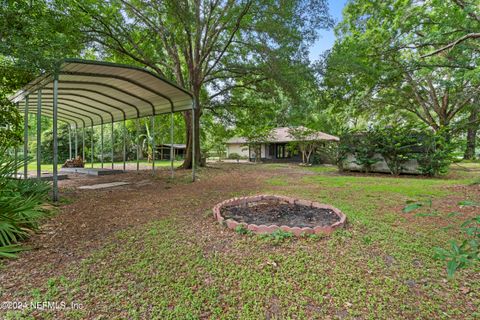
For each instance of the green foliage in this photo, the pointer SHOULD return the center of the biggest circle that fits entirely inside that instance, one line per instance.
(414, 205)
(397, 145)
(277, 236)
(234, 156)
(365, 151)
(240, 229)
(459, 254)
(209, 47)
(306, 141)
(327, 152)
(63, 144)
(10, 123)
(380, 68)
(362, 146)
(20, 206)
(463, 254)
(437, 155)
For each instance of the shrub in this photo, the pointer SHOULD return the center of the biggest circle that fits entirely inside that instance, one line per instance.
(234, 156)
(328, 152)
(437, 155)
(362, 146)
(21, 206)
(396, 145)
(365, 151)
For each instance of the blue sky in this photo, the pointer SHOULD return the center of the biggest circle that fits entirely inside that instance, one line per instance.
(327, 38)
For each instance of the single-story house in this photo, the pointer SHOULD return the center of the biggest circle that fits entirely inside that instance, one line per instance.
(163, 151)
(275, 147)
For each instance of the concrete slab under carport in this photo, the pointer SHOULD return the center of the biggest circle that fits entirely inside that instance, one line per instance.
(104, 185)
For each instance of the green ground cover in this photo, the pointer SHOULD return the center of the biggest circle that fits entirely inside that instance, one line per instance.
(380, 267)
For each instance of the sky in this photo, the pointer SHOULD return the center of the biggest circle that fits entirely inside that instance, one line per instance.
(327, 38)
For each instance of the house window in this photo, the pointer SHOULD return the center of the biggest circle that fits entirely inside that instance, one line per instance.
(280, 151)
(271, 150)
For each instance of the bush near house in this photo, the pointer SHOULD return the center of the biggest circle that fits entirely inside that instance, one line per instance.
(235, 156)
(396, 146)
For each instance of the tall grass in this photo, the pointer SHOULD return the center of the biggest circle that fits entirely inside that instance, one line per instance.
(21, 206)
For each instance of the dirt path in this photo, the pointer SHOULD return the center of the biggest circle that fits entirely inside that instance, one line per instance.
(89, 217)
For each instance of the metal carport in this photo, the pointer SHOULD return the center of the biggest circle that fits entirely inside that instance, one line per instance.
(85, 93)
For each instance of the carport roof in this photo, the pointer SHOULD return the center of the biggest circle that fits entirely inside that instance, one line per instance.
(94, 92)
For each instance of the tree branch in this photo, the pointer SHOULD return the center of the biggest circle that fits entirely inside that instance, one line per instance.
(452, 44)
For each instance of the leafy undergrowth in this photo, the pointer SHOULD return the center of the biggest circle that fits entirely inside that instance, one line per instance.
(381, 266)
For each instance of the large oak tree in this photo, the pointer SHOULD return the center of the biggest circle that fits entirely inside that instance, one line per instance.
(207, 46)
(395, 57)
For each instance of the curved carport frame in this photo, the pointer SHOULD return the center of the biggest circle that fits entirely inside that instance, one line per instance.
(85, 93)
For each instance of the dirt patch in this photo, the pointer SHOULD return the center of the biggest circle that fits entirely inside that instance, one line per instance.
(273, 212)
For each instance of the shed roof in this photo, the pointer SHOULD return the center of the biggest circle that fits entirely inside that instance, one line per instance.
(284, 134)
(94, 92)
(175, 145)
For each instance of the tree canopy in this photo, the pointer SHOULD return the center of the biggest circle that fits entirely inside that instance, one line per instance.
(209, 47)
(388, 60)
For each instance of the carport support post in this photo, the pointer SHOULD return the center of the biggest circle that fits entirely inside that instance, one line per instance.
(76, 141)
(101, 144)
(25, 140)
(83, 144)
(91, 141)
(39, 133)
(15, 159)
(69, 142)
(137, 129)
(55, 138)
(112, 144)
(152, 133)
(171, 143)
(124, 145)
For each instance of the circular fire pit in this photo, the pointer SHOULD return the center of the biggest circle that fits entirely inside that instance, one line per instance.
(265, 214)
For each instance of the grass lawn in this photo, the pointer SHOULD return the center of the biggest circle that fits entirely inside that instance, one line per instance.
(177, 263)
(32, 166)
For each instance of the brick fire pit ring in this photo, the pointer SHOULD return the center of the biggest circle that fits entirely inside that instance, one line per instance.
(248, 202)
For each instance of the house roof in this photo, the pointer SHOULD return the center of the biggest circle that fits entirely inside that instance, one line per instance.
(284, 134)
(175, 145)
(94, 92)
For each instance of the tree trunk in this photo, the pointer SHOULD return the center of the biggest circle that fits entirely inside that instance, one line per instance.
(187, 163)
(472, 129)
